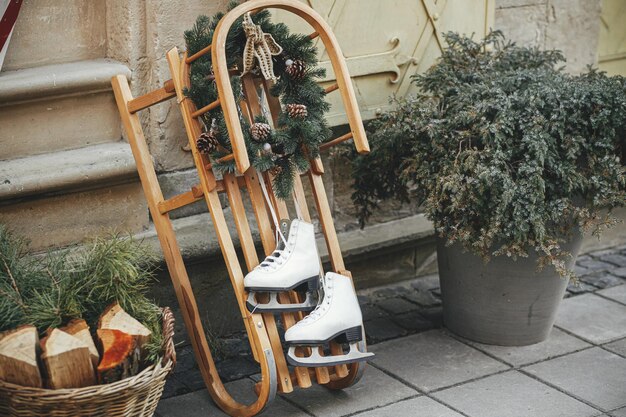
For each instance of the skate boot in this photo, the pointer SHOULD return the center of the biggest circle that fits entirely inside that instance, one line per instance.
(337, 317)
(294, 265)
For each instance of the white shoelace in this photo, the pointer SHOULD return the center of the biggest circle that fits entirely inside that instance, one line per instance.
(322, 307)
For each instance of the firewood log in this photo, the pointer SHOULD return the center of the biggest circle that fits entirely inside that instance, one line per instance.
(115, 318)
(80, 330)
(18, 357)
(120, 355)
(67, 361)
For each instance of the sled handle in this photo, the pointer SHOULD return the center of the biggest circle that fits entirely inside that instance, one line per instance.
(225, 91)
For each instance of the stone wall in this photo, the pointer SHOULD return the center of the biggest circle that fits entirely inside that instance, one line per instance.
(573, 26)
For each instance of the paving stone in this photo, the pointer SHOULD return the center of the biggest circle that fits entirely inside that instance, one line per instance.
(602, 279)
(559, 343)
(414, 407)
(382, 329)
(600, 253)
(619, 413)
(374, 390)
(371, 312)
(426, 283)
(192, 379)
(619, 347)
(581, 270)
(616, 259)
(619, 272)
(363, 299)
(434, 314)
(232, 369)
(579, 287)
(396, 305)
(594, 375)
(174, 387)
(413, 322)
(199, 404)
(616, 293)
(593, 318)
(512, 394)
(594, 264)
(185, 360)
(384, 293)
(423, 298)
(433, 360)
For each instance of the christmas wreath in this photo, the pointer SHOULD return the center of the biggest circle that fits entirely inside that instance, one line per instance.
(257, 45)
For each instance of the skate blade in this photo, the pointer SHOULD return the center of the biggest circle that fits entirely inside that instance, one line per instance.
(273, 306)
(316, 360)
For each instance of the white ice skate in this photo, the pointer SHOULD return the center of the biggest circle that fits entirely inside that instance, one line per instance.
(337, 317)
(294, 265)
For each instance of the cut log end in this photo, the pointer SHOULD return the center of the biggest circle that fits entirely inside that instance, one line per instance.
(80, 330)
(115, 318)
(120, 355)
(67, 361)
(18, 357)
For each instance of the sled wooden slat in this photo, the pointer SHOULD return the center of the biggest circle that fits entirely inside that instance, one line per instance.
(299, 199)
(202, 52)
(280, 206)
(289, 319)
(331, 88)
(205, 109)
(178, 201)
(150, 99)
(336, 141)
(267, 240)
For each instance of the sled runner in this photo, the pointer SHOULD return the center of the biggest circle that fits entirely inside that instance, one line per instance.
(266, 345)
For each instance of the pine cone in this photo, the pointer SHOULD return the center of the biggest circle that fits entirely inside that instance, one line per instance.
(275, 170)
(296, 70)
(260, 132)
(207, 143)
(296, 110)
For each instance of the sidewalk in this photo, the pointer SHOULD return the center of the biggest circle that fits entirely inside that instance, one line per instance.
(421, 369)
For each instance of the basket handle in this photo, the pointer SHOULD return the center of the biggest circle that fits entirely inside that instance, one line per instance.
(168, 337)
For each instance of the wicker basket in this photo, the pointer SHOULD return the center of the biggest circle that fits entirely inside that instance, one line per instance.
(136, 396)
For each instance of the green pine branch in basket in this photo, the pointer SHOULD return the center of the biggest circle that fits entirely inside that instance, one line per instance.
(49, 290)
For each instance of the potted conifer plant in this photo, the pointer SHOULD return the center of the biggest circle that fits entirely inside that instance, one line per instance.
(512, 159)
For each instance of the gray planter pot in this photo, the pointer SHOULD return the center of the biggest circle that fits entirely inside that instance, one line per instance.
(503, 302)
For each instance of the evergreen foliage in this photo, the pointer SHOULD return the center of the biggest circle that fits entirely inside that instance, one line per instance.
(49, 291)
(294, 140)
(505, 151)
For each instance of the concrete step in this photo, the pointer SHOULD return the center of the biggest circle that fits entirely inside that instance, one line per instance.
(58, 107)
(62, 220)
(66, 171)
(61, 198)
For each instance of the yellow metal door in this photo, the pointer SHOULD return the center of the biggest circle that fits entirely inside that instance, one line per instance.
(612, 45)
(387, 41)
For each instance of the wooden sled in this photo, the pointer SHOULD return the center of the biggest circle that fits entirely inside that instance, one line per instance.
(262, 330)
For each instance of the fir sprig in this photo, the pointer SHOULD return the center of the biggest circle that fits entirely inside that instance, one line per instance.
(50, 290)
(298, 139)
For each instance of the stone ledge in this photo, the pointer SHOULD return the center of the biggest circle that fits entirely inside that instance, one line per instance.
(60, 79)
(197, 239)
(83, 168)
